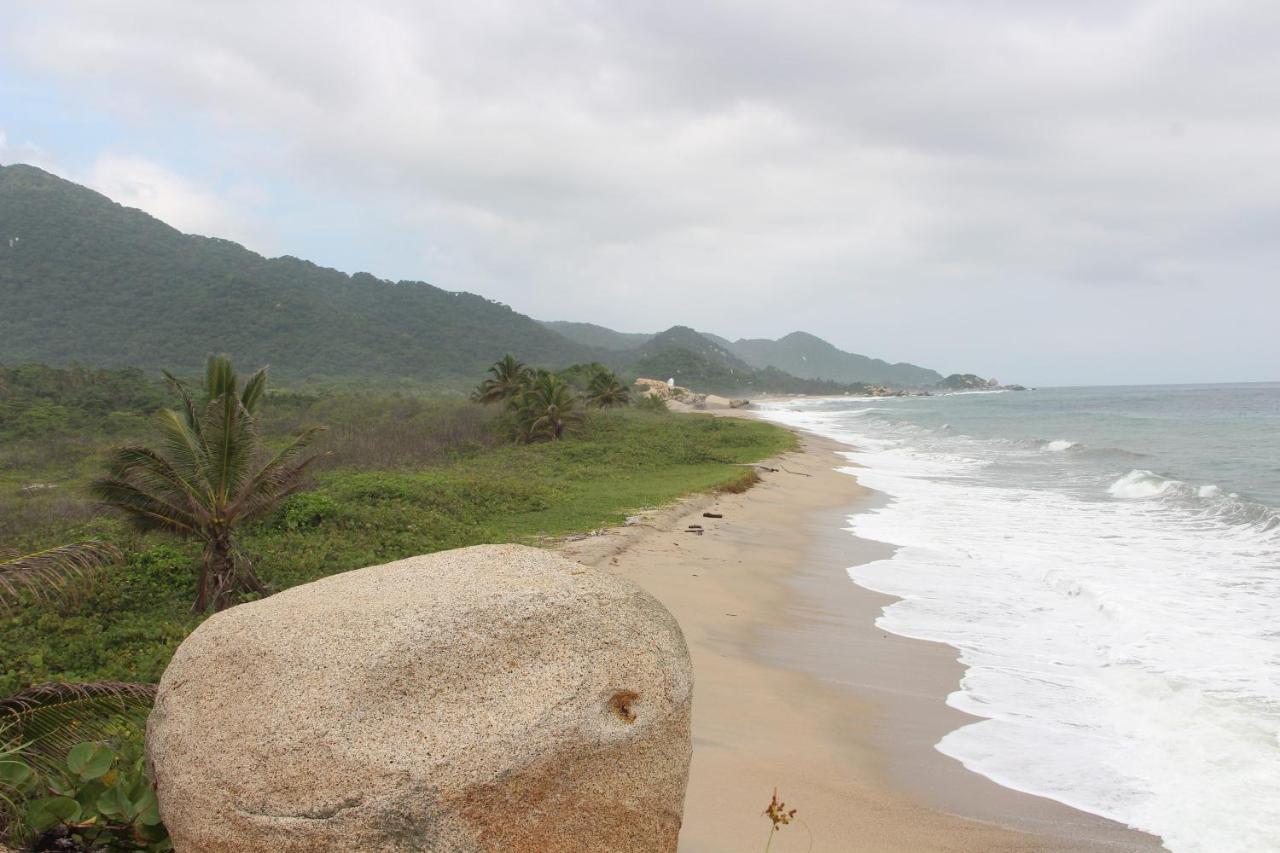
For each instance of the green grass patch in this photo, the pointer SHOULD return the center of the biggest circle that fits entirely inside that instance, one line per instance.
(126, 624)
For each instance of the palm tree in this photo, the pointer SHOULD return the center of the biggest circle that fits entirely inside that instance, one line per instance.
(605, 390)
(547, 409)
(210, 475)
(510, 378)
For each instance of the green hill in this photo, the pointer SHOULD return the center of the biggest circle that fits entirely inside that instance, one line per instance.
(799, 354)
(698, 362)
(83, 279)
(810, 357)
(591, 335)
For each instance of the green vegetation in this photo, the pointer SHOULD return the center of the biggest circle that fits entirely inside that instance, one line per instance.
(211, 477)
(605, 390)
(508, 379)
(401, 476)
(696, 361)
(83, 279)
(546, 409)
(963, 382)
(809, 357)
(41, 725)
(546, 406)
(71, 769)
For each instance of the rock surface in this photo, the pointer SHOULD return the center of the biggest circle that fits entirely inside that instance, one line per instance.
(490, 698)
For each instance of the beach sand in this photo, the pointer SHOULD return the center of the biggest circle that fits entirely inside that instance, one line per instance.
(796, 689)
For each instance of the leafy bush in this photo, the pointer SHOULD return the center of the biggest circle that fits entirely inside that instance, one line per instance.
(100, 799)
(309, 509)
(652, 403)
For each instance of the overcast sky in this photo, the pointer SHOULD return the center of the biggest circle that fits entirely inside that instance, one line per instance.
(1077, 192)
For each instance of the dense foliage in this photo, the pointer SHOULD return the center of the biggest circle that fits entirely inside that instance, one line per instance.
(405, 476)
(85, 279)
(698, 362)
(807, 356)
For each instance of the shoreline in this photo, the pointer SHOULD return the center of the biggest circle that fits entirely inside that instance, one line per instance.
(796, 688)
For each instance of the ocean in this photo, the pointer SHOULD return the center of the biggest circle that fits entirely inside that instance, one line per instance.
(1107, 563)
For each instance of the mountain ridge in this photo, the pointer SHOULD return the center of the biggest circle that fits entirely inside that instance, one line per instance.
(85, 279)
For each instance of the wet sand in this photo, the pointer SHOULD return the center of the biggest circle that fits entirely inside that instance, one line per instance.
(795, 688)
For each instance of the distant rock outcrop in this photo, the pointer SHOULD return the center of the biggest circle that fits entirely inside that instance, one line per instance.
(483, 699)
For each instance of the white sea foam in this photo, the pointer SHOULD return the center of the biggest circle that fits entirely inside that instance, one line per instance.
(1060, 445)
(1141, 484)
(1122, 649)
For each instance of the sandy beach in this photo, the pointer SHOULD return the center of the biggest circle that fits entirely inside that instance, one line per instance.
(796, 689)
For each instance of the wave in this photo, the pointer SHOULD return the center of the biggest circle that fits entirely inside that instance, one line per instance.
(1117, 632)
(1203, 503)
(1138, 484)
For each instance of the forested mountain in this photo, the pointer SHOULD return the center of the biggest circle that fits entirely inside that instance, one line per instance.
(83, 279)
(808, 356)
(589, 334)
(799, 354)
(696, 361)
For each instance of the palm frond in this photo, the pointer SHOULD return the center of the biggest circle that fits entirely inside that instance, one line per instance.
(144, 510)
(219, 377)
(185, 449)
(232, 443)
(190, 413)
(253, 390)
(48, 719)
(49, 571)
(279, 478)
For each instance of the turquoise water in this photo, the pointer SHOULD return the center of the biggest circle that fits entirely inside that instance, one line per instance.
(1107, 563)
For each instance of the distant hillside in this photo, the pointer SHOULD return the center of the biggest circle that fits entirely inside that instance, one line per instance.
(591, 335)
(799, 354)
(83, 279)
(86, 280)
(696, 361)
(810, 357)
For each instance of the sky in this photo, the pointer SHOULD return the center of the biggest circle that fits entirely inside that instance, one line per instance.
(1051, 193)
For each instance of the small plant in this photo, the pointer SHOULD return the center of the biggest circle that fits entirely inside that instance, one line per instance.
(46, 769)
(652, 403)
(99, 799)
(778, 814)
(306, 510)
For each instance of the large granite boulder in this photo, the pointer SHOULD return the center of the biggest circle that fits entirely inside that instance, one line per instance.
(490, 698)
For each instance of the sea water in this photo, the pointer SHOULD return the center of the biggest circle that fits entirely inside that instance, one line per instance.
(1107, 563)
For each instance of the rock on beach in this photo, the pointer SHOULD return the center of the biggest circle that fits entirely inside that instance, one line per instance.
(491, 698)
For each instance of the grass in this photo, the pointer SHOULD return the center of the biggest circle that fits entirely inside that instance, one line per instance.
(407, 477)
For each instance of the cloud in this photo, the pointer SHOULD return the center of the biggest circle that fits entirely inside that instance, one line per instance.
(148, 186)
(956, 184)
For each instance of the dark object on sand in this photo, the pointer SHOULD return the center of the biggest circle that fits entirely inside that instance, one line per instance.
(712, 515)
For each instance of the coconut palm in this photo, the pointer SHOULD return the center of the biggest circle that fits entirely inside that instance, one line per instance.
(510, 378)
(547, 409)
(605, 390)
(209, 476)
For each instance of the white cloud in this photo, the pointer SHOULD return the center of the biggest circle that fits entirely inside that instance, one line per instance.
(956, 184)
(150, 187)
